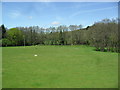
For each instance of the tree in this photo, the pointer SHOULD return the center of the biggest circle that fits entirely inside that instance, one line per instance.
(61, 38)
(3, 31)
(103, 35)
(16, 36)
(6, 42)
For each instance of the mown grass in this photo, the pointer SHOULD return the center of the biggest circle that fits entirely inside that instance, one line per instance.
(59, 67)
(0, 67)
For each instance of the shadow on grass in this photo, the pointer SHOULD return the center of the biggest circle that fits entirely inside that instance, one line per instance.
(105, 50)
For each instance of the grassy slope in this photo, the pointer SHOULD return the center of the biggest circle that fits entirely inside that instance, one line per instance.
(59, 67)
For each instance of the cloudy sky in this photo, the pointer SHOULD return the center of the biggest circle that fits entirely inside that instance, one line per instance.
(45, 14)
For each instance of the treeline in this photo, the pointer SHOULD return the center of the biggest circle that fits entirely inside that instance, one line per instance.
(103, 35)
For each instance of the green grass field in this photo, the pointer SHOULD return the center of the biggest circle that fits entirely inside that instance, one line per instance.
(59, 67)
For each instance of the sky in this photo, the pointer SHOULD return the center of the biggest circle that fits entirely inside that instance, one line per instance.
(46, 14)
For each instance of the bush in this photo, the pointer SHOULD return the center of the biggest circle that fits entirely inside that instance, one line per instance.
(6, 42)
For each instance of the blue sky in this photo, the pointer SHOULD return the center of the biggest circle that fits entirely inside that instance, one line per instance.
(46, 14)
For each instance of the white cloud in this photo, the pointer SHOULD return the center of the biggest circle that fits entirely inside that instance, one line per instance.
(90, 11)
(15, 14)
(55, 23)
(30, 17)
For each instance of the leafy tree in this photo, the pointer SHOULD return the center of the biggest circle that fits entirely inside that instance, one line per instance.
(6, 42)
(15, 35)
(103, 35)
(3, 31)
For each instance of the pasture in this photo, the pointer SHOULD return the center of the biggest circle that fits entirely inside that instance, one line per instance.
(58, 67)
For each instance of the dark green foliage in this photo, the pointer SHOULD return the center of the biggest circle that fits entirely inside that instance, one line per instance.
(3, 30)
(7, 42)
(103, 35)
(15, 36)
(61, 40)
